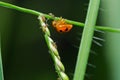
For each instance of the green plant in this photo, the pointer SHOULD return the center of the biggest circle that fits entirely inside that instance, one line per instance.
(86, 40)
(89, 27)
(53, 50)
(1, 68)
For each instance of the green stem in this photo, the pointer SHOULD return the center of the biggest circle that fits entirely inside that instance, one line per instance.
(53, 50)
(86, 40)
(80, 24)
(1, 68)
(107, 29)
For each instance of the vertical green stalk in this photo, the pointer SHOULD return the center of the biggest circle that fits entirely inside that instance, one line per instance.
(86, 40)
(1, 69)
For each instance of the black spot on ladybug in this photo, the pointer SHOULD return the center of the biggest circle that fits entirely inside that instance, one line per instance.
(61, 31)
(66, 29)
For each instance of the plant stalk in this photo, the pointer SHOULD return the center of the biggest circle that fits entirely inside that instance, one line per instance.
(86, 40)
(1, 67)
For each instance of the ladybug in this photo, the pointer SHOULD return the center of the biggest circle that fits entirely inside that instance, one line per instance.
(61, 25)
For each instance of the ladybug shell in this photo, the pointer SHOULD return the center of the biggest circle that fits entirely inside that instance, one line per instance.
(61, 25)
(63, 28)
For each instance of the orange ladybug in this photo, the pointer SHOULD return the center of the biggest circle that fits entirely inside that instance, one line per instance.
(61, 25)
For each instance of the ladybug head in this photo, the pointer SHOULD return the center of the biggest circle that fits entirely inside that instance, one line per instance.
(54, 23)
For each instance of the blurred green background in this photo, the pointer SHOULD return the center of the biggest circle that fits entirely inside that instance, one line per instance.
(111, 17)
(24, 51)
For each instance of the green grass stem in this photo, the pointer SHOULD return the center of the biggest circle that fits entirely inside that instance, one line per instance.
(53, 50)
(1, 67)
(80, 24)
(86, 40)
